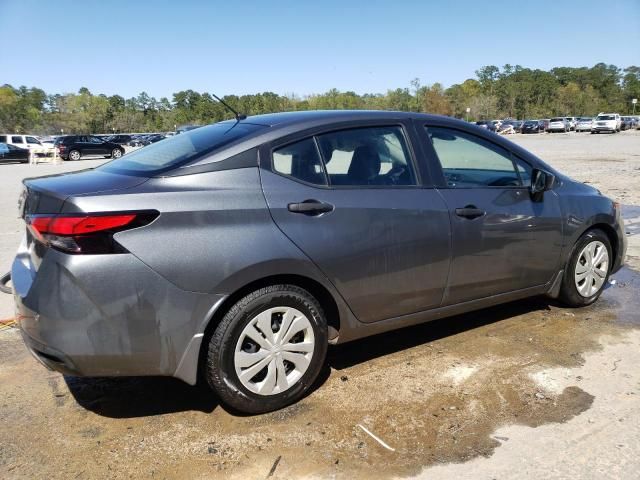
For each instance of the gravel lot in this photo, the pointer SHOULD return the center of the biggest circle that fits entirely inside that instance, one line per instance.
(524, 390)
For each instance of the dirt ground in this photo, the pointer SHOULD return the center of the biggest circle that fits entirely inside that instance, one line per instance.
(515, 391)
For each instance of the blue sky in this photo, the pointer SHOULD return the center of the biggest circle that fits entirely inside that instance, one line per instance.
(301, 47)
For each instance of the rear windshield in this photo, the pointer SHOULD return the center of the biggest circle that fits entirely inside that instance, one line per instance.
(606, 117)
(557, 120)
(180, 149)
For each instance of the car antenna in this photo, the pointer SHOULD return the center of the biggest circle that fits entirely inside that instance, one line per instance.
(239, 116)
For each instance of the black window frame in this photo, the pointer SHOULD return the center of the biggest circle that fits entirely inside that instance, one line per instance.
(435, 163)
(412, 160)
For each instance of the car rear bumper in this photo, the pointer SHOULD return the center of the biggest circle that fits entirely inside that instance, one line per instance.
(107, 315)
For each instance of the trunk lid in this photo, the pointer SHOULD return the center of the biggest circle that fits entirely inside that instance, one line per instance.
(48, 194)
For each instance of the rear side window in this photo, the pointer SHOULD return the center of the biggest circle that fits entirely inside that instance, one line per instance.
(33, 141)
(16, 139)
(3, 139)
(301, 161)
(181, 149)
(367, 156)
(471, 162)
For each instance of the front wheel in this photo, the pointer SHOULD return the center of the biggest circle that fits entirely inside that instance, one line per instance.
(588, 269)
(268, 349)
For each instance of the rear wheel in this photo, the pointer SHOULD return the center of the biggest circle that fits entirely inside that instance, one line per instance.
(588, 269)
(74, 155)
(116, 153)
(268, 349)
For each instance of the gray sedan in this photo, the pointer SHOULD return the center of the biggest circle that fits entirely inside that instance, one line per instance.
(235, 253)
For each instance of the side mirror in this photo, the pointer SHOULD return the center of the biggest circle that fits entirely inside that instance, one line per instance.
(541, 181)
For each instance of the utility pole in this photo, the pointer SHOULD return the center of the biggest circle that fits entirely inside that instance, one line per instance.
(634, 101)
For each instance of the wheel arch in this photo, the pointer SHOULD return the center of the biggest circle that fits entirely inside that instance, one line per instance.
(611, 235)
(327, 300)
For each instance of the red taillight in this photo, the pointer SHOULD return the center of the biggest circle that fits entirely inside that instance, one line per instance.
(80, 225)
(85, 233)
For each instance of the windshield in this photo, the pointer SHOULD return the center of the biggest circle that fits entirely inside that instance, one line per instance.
(557, 119)
(181, 149)
(606, 117)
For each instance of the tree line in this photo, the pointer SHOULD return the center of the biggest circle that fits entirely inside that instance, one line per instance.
(510, 91)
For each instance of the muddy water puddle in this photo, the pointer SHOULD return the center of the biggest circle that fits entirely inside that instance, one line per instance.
(433, 393)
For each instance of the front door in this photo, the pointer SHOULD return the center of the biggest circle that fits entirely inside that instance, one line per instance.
(351, 201)
(502, 240)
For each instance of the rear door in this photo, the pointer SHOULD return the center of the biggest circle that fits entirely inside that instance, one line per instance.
(352, 201)
(97, 146)
(502, 241)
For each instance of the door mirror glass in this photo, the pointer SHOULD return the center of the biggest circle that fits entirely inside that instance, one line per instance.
(541, 181)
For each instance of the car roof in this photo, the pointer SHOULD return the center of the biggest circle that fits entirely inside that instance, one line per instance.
(314, 116)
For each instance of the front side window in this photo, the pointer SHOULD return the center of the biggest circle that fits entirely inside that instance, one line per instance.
(471, 162)
(367, 156)
(301, 161)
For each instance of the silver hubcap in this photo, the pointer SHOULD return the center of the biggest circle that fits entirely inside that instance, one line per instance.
(591, 269)
(116, 154)
(75, 156)
(274, 350)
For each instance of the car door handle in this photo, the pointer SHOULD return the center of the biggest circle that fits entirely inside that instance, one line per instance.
(310, 207)
(470, 211)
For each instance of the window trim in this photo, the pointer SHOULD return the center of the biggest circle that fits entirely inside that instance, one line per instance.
(470, 134)
(327, 129)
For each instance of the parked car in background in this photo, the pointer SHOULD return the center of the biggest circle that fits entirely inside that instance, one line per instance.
(584, 124)
(237, 252)
(11, 153)
(75, 147)
(572, 122)
(137, 140)
(544, 123)
(488, 124)
(48, 141)
(626, 123)
(506, 128)
(120, 139)
(558, 124)
(29, 142)
(606, 122)
(533, 126)
(517, 125)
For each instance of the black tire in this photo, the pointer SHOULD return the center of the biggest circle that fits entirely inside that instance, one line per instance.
(220, 370)
(568, 291)
(71, 154)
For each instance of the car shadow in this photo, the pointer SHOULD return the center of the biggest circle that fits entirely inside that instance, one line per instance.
(148, 396)
(129, 397)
